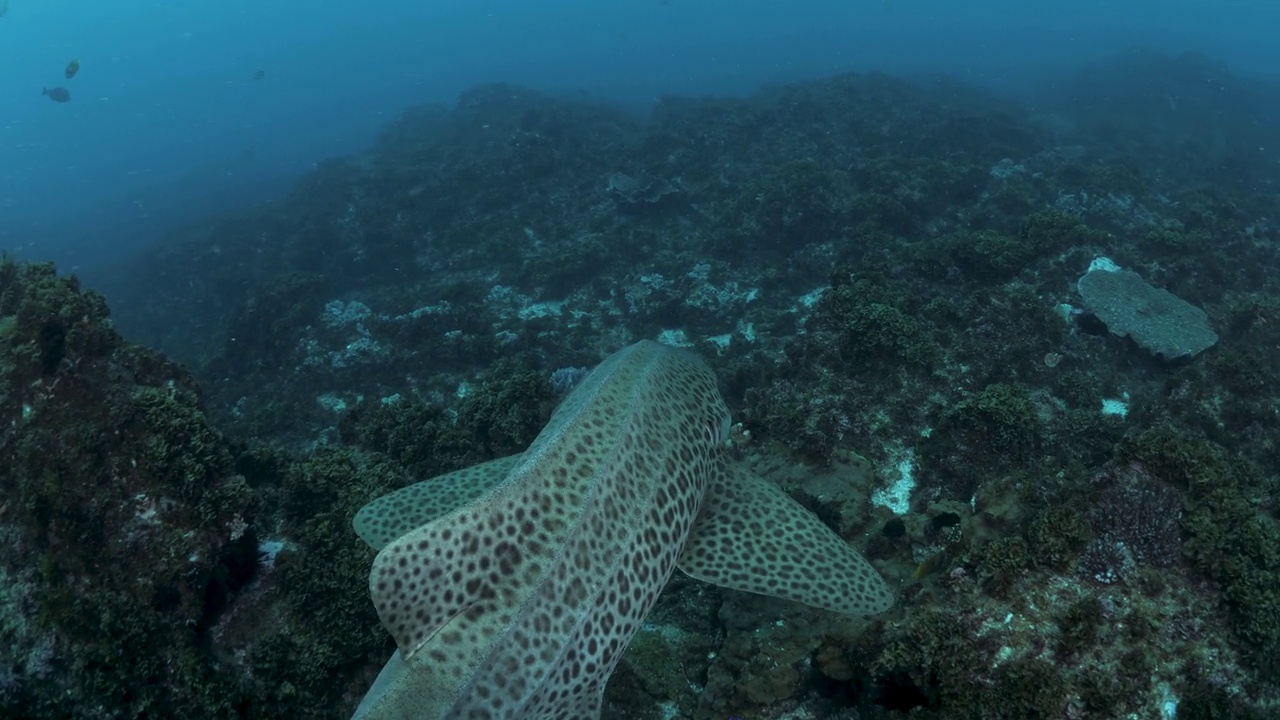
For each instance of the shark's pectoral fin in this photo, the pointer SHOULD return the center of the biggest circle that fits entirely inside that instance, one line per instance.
(393, 676)
(752, 536)
(396, 513)
(448, 576)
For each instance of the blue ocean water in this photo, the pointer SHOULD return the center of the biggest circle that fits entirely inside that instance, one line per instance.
(166, 122)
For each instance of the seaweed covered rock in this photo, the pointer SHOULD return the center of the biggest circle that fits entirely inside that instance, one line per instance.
(868, 322)
(123, 527)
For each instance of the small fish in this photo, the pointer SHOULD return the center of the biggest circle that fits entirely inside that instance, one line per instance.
(259, 74)
(73, 67)
(930, 566)
(58, 94)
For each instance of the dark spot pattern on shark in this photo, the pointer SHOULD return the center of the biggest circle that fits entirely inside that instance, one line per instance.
(513, 588)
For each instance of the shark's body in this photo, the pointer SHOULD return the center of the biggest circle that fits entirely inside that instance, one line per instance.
(512, 588)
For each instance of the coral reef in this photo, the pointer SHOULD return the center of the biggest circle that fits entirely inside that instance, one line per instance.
(126, 526)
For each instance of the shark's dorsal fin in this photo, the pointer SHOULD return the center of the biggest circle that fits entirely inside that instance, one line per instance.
(752, 536)
(396, 513)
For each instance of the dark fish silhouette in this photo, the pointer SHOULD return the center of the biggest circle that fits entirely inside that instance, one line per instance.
(73, 67)
(258, 75)
(58, 94)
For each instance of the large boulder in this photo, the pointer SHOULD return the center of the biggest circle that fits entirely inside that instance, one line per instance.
(1157, 320)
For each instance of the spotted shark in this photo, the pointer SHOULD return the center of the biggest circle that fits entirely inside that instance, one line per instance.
(512, 588)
